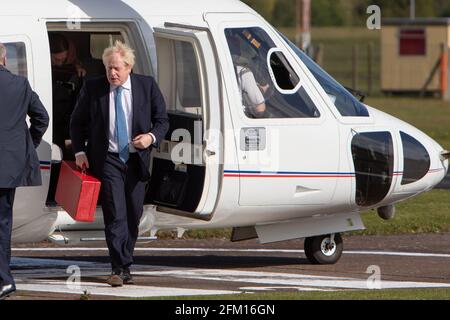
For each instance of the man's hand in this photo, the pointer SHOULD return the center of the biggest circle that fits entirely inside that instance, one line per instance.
(142, 141)
(81, 72)
(82, 161)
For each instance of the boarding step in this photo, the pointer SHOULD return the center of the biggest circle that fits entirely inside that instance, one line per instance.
(86, 236)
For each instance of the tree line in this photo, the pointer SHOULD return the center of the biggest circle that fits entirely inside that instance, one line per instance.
(282, 13)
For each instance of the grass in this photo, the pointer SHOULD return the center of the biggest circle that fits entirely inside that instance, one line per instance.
(394, 294)
(427, 213)
(198, 234)
(320, 34)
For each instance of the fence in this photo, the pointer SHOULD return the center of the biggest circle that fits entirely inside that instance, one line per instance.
(354, 65)
(359, 66)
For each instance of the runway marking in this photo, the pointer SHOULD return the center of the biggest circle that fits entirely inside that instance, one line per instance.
(31, 272)
(303, 289)
(288, 280)
(379, 253)
(103, 289)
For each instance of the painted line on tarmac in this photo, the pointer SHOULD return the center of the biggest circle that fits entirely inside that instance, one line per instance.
(406, 254)
(103, 289)
(379, 253)
(288, 280)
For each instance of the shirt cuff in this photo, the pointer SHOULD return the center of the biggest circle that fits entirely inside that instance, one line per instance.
(154, 138)
(80, 153)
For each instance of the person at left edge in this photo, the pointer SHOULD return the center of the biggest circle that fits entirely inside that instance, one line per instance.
(121, 116)
(19, 162)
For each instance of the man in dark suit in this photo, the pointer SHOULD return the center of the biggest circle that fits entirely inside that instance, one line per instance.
(121, 116)
(18, 158)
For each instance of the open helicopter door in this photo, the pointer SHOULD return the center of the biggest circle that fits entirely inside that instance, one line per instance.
(187, 168)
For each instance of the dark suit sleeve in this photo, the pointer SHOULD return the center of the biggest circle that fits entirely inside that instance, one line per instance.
(160, 120)
(39, 118)
(79, 121)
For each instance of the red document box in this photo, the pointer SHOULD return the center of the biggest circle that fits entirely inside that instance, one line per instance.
(77, 192)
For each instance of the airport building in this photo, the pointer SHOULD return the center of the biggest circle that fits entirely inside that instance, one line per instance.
(415, 56)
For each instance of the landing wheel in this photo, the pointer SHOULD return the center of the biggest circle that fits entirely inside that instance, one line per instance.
(326, 249)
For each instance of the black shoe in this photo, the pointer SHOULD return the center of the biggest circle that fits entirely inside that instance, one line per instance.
(7, 290)
(126, 276)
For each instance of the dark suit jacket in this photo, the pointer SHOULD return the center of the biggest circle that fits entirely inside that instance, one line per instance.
(90, 120)
(18, 158)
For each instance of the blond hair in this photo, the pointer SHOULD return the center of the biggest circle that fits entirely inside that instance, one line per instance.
(2, 52)
(125, 51)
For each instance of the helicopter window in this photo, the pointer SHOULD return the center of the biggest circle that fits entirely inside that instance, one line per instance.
(373, 157)
(345, 102)
(188, 80)
(285, 76)
(416, 159)
(179, 78)
(17, 58)
(268, 85)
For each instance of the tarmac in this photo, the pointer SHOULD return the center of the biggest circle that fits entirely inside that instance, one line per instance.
(187, 268)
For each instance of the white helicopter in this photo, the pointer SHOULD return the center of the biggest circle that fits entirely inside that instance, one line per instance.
(305, 168)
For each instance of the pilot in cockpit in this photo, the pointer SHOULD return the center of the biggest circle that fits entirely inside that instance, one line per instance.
(251, 91)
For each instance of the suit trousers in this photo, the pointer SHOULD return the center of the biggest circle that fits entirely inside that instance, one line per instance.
(122, 195)
(6, 222)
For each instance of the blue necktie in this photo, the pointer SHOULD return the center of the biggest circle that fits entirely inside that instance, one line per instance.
(121, 127)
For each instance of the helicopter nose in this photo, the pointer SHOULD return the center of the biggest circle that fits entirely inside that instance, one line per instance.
(425, 162)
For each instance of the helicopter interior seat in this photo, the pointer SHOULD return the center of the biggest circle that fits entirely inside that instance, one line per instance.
(178, 185)
(56, 159)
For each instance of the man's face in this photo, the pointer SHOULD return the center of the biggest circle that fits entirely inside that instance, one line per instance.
(117, 70)
(59, 59)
